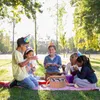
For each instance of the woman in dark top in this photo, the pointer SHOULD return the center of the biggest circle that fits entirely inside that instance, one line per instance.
(86, 77)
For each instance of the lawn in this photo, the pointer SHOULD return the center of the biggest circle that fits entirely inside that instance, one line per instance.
(24, 94)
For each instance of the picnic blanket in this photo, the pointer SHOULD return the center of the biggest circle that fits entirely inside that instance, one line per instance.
(44, 87)
(4, 84)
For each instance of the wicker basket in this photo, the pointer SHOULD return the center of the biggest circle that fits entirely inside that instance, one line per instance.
(57, 81)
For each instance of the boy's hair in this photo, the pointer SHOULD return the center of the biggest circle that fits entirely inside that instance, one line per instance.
(74, 55)
(52, 46)
(21, 41)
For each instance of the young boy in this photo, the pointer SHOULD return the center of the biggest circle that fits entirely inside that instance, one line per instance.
(52, 62)
(19, 66)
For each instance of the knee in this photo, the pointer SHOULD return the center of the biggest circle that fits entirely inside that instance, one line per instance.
(31, 86)
(76, 80)
(36, 83)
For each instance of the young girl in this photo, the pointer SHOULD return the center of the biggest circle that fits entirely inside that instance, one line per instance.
(86, 77)
(31, 65)
(52, 62)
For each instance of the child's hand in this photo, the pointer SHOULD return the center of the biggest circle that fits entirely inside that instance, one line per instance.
(28, 69)
(64, 73)
(33, 69)
(63, 66)
(34, 58)
(56, 65)
(75, 68)
(48, 64)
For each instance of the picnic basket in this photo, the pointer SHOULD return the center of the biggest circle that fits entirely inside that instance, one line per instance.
(57, 81)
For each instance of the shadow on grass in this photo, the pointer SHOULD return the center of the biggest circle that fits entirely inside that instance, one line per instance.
(2, 89)
(69, 95)
(90, 95)
(23, 94)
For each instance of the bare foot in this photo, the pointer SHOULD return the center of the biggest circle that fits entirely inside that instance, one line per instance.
(76, 86)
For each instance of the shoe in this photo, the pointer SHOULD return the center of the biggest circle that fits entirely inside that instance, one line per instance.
(13, 83)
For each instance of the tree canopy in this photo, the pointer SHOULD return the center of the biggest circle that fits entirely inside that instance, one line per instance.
(87, 23)
(5, 45)
(14, 8)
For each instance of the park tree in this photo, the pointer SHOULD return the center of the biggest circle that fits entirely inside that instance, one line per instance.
(71, 45)
(58, 13)
(4, 42)
(86, 23)
(1, 41)
(18, 7)
(32, 41)
(93, 43)
(63, 43)
(13, 9)
(1, 36)
(7, 42)
(60, 29)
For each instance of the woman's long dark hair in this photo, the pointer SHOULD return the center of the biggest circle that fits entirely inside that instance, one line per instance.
(27, 53)
(85, 60)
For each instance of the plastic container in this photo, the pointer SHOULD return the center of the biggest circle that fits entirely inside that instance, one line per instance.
(70, 78)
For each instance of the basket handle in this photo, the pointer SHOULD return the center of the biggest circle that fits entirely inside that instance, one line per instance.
(48, 81)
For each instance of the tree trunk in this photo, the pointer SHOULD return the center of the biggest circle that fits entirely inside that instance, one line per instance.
(13, 45)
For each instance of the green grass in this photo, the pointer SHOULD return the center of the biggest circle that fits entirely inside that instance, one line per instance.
(5, 70)
(5, 62)
(25, 94)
